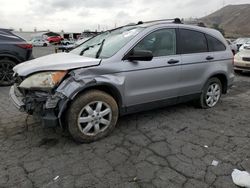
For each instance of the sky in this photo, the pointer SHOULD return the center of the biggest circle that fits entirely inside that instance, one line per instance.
(80, 15)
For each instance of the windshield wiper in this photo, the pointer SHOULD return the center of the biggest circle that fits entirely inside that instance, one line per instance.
(88, 47)
(100, 49)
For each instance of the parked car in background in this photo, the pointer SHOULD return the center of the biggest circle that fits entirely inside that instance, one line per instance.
(245, 46)
(54, 39)
(67, 42)
(240, 41)
(125, 70)
(67, 48)
(39, 42)
(13, 50)
(233, 46)
(242, 60)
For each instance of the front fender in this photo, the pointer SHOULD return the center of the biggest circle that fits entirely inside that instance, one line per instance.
(75, 84)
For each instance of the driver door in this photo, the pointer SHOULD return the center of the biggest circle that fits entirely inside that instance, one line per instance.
(156, 80)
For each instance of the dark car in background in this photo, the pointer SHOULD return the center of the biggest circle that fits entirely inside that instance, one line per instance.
(13, 50)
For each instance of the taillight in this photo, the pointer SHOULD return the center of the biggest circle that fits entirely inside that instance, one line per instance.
(25, 46)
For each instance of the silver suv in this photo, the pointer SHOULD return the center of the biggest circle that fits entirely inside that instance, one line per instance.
(125, 70)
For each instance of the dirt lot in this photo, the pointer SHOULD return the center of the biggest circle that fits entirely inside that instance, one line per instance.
(170, 147)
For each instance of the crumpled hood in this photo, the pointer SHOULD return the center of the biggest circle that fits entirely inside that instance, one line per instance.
(59, 61)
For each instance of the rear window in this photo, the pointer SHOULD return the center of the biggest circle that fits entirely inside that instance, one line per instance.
(214, 44)
(192, 41)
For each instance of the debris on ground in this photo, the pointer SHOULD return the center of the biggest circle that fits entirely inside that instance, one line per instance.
(215, 163)
(55, 178)
(241, 178)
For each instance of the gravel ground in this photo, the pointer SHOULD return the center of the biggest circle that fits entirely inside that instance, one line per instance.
(169, 147)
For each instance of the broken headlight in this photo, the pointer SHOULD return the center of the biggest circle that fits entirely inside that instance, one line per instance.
(45, 80)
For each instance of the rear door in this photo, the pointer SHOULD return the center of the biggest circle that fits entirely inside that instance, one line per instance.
(195, 60)
(158, 79)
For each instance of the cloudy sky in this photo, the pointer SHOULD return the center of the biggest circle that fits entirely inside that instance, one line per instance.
(78, 15)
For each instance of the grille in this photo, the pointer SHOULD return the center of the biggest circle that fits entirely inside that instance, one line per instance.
(246, 58)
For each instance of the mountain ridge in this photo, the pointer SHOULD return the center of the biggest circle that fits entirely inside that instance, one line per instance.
(233, 19)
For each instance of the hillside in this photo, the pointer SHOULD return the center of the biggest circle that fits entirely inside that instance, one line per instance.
(234, 19)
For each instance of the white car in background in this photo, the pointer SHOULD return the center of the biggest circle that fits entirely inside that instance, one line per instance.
(245, 46)
(233, 46)
(240, 41)
(67, 41)
(242, 60)
(39, 42)
(67, 48)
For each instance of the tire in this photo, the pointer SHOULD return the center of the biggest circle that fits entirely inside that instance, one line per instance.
(6, 72)
(209, 90)
(238, 71)
(86, 121)
(45, 44)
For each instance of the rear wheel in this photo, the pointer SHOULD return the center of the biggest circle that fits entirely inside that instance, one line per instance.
(92, 115)
(6, 72)
(45, 44)
(211, 93)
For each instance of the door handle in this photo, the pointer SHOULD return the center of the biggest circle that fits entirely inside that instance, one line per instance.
(209, 58)
(173, 61)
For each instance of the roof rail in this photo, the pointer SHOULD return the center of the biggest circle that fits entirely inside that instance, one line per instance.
(174, 20)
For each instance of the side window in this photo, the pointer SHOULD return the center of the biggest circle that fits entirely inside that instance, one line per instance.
(160, 43)
(214, 44)
(192, 42)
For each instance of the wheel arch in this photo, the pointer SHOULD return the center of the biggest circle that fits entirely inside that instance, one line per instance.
(10, 57)
(105, 87)
(223, 79)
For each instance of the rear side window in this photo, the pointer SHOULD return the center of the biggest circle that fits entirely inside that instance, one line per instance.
(192, 42)
(214, 44)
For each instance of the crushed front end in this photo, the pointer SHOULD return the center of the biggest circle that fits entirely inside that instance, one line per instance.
(43, 102)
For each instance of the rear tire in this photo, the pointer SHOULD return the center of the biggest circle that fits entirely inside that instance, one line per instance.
(45, 44)
(6, 72)
(211, 93)
(92, 116)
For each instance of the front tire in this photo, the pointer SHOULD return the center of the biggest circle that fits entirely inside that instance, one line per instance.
(211, 93)
(92, 116)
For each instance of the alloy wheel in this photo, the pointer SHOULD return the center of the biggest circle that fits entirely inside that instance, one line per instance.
(213, 94)
(94, 118)
(6, 73)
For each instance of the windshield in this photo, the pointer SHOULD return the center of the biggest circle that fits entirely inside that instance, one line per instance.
(108, 43)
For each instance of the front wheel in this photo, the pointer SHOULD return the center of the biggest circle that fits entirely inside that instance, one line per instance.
(92, 116)
(211, 93)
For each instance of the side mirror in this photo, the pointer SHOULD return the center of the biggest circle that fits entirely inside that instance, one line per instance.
(139, 55)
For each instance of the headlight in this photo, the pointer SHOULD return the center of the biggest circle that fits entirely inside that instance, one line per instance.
(46, 80)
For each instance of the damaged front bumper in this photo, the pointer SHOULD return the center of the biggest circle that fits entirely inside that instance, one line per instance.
(17, 98)
(48, 107)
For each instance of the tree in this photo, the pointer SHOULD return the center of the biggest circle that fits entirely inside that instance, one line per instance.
(220, 29)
